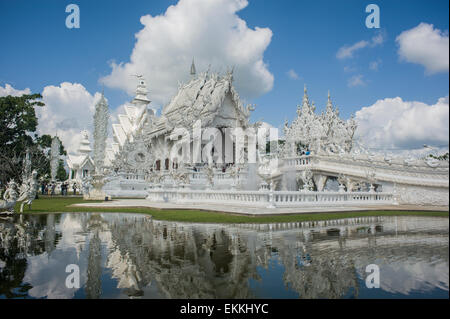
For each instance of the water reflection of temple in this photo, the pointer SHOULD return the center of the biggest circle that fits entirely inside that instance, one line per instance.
(181, 260)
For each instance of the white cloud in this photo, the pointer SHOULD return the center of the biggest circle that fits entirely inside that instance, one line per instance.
(9, 90)
(209, 31)
(356, 80)
(292, 74)
(392, 123)
(349, 69)
(348, 51)
(377, 40)
(68, 109)
(375, 65)
(426, 46)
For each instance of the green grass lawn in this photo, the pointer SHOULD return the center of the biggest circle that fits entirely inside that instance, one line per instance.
(62, 204)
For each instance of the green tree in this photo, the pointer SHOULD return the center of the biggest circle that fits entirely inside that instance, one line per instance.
(18, 122)
(61, 174)
(18, 125)
(44, 143)
(18, 119)
(442, 157)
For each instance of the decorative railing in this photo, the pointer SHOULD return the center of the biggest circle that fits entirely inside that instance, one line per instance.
(298, 161)
(415, 172)
(370, 161)
(268, 198)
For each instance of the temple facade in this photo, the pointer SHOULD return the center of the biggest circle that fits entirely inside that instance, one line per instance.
(81, 165)
(149, 148)
(318, 162)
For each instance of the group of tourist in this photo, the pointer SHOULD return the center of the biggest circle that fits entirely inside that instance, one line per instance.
(303, 152)
(50, 188)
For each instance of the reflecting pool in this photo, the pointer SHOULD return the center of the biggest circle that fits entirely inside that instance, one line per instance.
(135, 256)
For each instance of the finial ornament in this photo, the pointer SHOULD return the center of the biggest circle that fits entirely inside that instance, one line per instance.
(141, 98)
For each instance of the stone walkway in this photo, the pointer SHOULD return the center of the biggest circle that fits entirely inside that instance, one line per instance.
(253, 211)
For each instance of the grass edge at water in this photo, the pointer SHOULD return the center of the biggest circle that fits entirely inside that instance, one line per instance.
(63, 205)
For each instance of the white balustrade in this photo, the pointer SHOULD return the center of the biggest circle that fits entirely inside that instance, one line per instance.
(298, 161)
(262, 198)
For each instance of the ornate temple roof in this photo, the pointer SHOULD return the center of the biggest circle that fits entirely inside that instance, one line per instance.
(130, 122)
(319, 132)
(85, 145)
(83, 156)
(202, 98)
(208, 97)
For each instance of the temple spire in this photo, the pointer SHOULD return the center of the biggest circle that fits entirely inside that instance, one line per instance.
(305, 97)
(85, 145)
(329, 103)
(141, 98)
(193, 71)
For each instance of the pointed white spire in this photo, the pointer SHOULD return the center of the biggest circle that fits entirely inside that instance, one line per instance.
(102, 100)
(101, 120)
(329, 103)
(141, 92)
(85, 145)
(305, 97)
(193, 71)
(54, 157)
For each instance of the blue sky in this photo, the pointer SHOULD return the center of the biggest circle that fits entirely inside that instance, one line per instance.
(38, 50)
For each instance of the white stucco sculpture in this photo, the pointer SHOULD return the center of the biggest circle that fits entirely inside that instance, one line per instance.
(86, 186)
(101, 118)
(28, 191)
(9, 197)
(54, 157)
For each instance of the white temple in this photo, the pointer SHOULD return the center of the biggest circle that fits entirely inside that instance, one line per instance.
(154, 156)
(81, 165)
